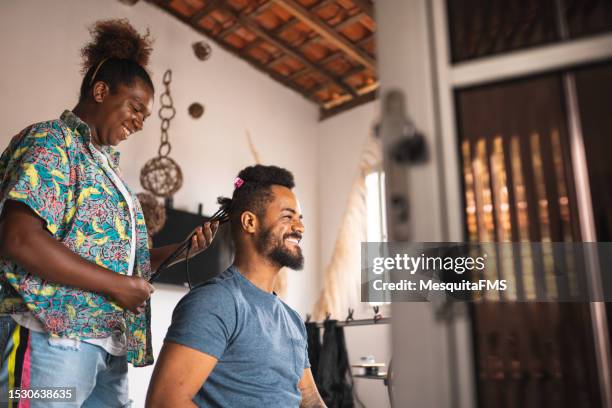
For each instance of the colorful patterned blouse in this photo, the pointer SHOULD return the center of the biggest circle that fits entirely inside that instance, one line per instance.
(50, 167)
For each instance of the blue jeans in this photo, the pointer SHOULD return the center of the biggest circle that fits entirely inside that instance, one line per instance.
(98, 378)
(7, 325)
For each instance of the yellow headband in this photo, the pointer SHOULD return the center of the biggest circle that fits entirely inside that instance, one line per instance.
(96, 71)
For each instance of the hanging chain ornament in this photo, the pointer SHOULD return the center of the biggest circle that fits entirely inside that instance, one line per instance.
(161, 175)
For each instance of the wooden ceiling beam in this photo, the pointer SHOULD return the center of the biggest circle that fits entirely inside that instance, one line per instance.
(298, 74)
(262, 8)
(349, 21)
(365, 6)
(321, 86)
(294, 21)
(330, 79)
(339, 100)
(364, 40)
(352, 71)
(252, 26)
(277, 60)
(331, 111)
(321, 5)
(361, 91)
(229, 30)
(251, 60)
(282, 27)
(330, 58)
(324, 30)
(368, 88)
(255, 43)
(282, 79)
(317, 88)
(310, 41)
(203, 12)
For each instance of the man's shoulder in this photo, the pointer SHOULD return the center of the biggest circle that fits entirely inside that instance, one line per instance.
(223, 282)
(222, 289)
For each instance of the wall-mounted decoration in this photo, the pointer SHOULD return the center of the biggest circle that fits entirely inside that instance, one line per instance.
(161, 175)
(202, 50)
(196, 110)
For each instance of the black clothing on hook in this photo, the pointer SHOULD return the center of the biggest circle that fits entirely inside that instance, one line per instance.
(313, 334)
(335, 381)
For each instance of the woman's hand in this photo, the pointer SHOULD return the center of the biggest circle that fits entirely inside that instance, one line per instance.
(132, 292)
(203, 237)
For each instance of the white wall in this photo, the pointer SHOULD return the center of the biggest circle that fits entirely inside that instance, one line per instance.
(341, 139)
(39, 77)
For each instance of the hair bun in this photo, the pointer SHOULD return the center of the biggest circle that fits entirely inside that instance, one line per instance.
(267, 175)
(116, 39)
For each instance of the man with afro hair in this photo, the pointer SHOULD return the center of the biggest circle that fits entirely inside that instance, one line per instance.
(232, 341)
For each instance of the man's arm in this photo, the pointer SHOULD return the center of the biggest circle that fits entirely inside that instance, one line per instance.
(310, 394)
(179, 373)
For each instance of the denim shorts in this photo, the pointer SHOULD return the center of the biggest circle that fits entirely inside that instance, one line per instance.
(97, 378)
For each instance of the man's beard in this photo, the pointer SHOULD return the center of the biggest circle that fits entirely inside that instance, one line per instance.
(276, 251)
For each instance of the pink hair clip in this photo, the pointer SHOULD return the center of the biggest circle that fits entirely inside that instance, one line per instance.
(238, 182)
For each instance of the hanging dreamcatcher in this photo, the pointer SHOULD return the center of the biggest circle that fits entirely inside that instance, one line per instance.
(161, 175)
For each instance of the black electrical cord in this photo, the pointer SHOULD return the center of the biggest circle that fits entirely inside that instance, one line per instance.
(187, 266)
(220, 216)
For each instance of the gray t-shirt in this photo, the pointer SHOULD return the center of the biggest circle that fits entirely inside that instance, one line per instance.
(259, 341)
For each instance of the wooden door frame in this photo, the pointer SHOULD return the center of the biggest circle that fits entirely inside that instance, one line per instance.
(513, 65)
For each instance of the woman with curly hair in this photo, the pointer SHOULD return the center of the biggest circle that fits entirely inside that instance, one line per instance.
(74, 257)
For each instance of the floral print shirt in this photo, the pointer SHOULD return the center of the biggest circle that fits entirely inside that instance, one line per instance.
(51, 167)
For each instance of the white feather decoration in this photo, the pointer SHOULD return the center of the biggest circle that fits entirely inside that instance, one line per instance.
(342, 279)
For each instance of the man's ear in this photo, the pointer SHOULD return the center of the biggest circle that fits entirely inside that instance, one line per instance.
(248, 222)
(99, 91)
